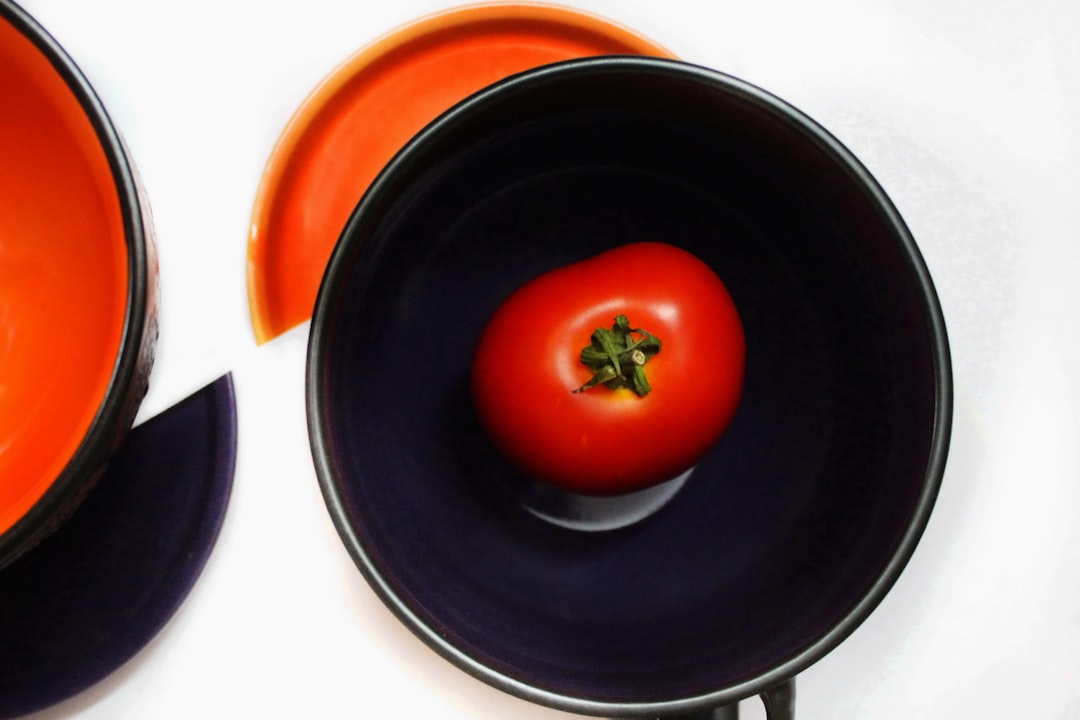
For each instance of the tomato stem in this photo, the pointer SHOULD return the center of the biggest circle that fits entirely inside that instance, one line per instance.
(612, 350)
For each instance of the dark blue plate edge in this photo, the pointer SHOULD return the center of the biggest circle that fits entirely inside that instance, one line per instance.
(219, 401)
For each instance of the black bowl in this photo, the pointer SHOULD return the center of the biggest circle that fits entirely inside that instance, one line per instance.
(791, 529)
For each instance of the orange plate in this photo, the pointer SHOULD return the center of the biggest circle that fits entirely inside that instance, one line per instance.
(360, 115)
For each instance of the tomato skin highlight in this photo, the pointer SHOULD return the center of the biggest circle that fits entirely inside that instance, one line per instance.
(601, 441)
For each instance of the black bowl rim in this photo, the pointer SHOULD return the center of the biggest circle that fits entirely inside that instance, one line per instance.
(134, 357)
(404, 162)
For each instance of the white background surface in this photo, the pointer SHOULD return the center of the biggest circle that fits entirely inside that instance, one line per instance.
(967, 112)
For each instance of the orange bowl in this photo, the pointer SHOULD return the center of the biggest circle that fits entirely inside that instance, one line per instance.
(77, 285)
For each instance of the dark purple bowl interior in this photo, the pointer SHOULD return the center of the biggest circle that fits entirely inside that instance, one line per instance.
(790, 530)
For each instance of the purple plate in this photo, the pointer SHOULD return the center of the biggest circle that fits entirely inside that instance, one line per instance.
(92, 595)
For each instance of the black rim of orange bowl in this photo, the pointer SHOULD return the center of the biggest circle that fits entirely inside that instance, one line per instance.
(131, 369)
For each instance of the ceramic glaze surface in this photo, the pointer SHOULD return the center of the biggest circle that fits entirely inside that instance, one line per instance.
(365, 111)
(791, 527)
(63, 274)
(85, 600)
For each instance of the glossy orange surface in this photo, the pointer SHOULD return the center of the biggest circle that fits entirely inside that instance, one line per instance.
(366, 110)
(63, 274)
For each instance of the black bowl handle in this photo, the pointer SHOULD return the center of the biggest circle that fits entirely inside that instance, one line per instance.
(779, 705)
(780, 701)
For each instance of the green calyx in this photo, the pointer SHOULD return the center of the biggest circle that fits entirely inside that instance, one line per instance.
(617, 357)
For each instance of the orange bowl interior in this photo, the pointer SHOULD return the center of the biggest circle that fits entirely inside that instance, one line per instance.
(63, 274)
(367, 109)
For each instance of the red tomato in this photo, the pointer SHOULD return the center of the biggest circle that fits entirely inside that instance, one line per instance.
(527, 372)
